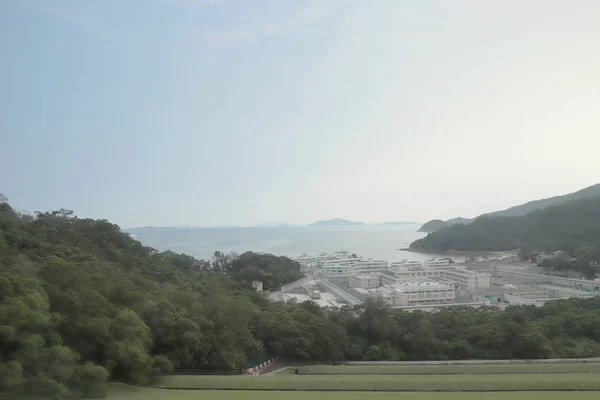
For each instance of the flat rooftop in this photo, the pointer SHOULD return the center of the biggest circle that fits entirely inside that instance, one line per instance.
(366, 276)
(421, 285)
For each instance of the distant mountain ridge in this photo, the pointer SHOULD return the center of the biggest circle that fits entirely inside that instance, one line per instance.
(436, 224)
(336, 222)
(564, 226)
(459, 220)
(591, 191)
(519, 210)
(432, 226)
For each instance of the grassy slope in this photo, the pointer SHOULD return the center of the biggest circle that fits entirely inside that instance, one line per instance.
(123, 392)
(454, 369)
(388, 382)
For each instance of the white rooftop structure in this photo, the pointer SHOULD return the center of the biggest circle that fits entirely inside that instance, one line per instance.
(411, 286)
(437, 263)
(415, 293)
(469, 280)
(405, 264)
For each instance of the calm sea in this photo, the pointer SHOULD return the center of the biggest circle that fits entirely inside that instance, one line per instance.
(369, 241)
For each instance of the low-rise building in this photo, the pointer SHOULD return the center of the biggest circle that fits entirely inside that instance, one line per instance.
(527, 298)
(415, 293)
(467, 280)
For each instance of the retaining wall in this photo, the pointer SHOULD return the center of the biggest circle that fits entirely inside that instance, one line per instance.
(339, 292)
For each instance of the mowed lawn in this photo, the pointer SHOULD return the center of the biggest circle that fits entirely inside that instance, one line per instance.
(123, 392)
(567, 381)
(554, 368)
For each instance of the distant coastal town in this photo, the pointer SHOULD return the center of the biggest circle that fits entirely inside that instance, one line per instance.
(344, 278)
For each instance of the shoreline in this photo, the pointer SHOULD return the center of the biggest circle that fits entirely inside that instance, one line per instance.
(507, 253)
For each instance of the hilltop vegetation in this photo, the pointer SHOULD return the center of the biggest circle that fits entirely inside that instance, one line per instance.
(81, 302)
(565, 227)
(516, 211)
(437, 224)
(432, 226)
(523, 209)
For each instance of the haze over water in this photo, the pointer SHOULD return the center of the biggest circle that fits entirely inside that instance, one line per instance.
(370, 241)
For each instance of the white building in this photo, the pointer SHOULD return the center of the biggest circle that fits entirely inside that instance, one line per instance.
(314, 262)
(414, 273)
(415, 293)
(436, 263)
(365, 281)
(339, 268)
(370, 264)
(405, 264)
(344, 267)
(467, 279)
(464, 279)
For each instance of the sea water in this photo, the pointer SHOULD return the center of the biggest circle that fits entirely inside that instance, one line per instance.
(379, 242)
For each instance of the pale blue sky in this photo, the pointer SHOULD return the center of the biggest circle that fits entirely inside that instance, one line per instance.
(217, 112)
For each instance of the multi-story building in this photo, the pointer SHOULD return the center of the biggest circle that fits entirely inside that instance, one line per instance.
(405, 264)
(437, 263)
(468, 280)
(365, 281)
(415, 293)
(414, 273)
(343, 267)
(464, 279)
(314, 262)
(339, 268)
(370, 264)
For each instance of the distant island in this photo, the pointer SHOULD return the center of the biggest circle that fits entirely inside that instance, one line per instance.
(336, 222)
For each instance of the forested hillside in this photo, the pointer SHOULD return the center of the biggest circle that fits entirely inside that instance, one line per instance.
(565, 227)
(432, 226)
(523, 209)
(516, 211)
(81, 302)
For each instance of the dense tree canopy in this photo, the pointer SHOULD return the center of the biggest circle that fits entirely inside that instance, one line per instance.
(82, 302)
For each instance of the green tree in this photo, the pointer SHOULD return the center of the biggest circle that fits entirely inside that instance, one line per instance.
(89, 381)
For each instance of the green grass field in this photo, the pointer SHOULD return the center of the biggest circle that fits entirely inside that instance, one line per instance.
(449, 382)
(123, 392)
(452, 369)
(568, 381)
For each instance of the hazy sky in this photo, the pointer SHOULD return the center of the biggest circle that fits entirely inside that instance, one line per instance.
(215, 112)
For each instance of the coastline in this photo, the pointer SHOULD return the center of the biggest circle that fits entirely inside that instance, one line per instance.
(507, 253)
